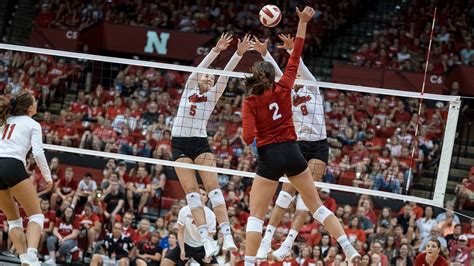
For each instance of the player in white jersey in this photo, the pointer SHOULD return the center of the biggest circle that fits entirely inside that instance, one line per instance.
(190, 145)
(310, 127)
(18, 134)
(189, 239)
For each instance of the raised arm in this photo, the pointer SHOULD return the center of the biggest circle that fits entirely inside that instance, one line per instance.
(242, 47)
(221, 45)
(291, 69)
(288, 44)
(261, 47)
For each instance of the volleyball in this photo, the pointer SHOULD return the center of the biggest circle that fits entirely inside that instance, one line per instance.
(270, 15)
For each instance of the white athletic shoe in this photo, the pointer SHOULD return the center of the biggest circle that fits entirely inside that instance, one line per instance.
(229, 244)
(50, 261)
(282, 252)
(209, 247)
(263, 250)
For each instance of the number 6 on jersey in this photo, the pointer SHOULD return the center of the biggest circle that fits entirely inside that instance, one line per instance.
(274, 106)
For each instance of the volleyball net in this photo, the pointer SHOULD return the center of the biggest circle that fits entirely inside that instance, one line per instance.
(381, 142)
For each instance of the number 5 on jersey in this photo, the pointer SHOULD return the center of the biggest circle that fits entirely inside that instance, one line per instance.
(192, 110)
(8, 131)
(275, 108)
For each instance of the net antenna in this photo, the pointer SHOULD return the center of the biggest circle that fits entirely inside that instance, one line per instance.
(420, 104)
(446, 152)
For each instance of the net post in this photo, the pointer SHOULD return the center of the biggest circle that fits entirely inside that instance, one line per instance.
(446, 151)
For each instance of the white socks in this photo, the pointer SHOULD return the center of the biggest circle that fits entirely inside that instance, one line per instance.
(225, 228)
(32, 254)
(249, 260)
(269, 233)
(203, 231)
(290, 239)
(344, 241)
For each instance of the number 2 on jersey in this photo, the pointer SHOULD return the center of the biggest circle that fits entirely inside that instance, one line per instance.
(8, 131)
(276, 108)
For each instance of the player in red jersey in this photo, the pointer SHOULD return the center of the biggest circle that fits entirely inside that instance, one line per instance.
(267, 114)
(431, 255)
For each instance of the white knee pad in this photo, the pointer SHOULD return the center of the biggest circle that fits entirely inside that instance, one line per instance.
(37, 218)
(15, 224)
(321, 214)
(300, 206)
(194, 200)
(216, 197)
(284, 199)
(254, 225)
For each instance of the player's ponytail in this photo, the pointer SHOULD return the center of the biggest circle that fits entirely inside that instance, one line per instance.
(17, 105)
(262, 79)
(5, 109)
(21, 103)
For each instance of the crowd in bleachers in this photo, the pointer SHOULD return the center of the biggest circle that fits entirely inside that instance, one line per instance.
(371, 139)
(207, 17)
(383, 237)
(403, 43)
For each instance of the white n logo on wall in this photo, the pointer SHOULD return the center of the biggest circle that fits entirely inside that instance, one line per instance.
(154, 42)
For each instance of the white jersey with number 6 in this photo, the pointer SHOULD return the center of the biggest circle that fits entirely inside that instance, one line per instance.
(17, 136)
(194, 108)
(191, 233)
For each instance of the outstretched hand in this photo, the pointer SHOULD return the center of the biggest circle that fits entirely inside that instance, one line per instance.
(223, 42)
(288, 42)
(259, 46)
(244, 45)
(306, 14)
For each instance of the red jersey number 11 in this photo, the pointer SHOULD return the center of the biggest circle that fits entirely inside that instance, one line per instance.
(8, 131)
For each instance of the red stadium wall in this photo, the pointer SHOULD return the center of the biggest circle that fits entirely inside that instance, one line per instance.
(409, 81)
(107, 37)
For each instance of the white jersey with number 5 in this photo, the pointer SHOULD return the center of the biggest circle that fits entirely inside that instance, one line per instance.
(307, 106)
(17, 136)
(191, 233)
(194, 108)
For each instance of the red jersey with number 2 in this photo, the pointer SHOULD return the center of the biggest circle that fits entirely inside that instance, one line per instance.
(269, 116)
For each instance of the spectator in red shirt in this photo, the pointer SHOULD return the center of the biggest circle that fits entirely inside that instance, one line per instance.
(241, 214)
(95, 111)
(465, 190)
(138, 189)
(65, 188)
(115, 109)
(65, 233)
(48, 127)
(49, 220)
(377, 248)
(431, 255)
(354, 231)
(127, 228)
(90, 225)
(104, 135)
(66, 134)
(461, 253)
(149, 252)
(328, 201)
(224, 153)
(142, 233)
